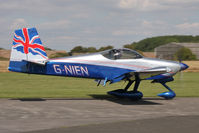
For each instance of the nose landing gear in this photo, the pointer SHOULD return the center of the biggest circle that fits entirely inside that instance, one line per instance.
(167, 95)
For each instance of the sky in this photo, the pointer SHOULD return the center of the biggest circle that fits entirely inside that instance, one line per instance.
(64, 24)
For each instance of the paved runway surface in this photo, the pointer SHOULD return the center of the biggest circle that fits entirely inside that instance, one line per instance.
(105, 115)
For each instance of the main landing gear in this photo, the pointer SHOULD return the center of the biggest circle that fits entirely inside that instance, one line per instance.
(124, 93)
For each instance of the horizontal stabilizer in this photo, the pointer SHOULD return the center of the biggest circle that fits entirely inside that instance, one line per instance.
(39, 62)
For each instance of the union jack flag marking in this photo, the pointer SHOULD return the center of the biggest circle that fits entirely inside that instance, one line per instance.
(27, 41)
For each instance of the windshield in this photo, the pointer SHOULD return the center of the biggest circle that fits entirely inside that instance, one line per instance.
(115, 54)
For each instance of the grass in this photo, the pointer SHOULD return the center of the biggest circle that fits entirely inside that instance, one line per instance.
(17, 85)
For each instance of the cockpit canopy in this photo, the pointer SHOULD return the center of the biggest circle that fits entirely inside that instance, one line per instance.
(124, 53)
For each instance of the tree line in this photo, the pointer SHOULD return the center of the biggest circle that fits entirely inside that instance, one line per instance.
(149, 44)
(79, 50)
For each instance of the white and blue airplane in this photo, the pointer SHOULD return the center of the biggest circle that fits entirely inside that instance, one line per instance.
(28, 56)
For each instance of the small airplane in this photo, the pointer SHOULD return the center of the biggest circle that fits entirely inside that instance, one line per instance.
(28, 56)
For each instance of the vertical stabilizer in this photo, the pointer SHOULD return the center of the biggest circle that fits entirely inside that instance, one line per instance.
(27, 46)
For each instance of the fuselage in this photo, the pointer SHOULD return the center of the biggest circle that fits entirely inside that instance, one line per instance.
(99, 67)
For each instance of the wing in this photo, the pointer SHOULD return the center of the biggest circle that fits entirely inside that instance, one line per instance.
(143, 74)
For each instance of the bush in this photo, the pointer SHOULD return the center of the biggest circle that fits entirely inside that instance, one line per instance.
(105, 48)
(184, 54)
(47, 48)
(91, 49)
(59, 54)
(130, 46)
(78, 49)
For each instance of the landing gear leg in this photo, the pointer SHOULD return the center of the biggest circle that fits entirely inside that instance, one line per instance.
(137, 83)
(128, 85)
(136, 95)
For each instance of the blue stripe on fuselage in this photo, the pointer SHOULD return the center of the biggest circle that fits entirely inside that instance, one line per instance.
(68, 69)
(84, 70)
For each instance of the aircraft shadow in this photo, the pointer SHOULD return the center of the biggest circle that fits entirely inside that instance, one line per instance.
(47, 99)
(29, 99)
(124, 101)
(121, 101)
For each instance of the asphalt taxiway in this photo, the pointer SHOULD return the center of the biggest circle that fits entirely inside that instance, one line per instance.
(99, 115)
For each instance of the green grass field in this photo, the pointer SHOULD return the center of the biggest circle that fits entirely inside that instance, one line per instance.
(17, 85)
